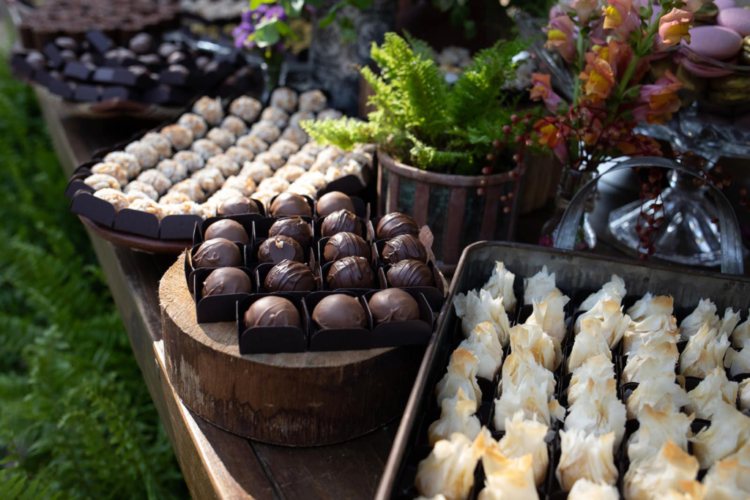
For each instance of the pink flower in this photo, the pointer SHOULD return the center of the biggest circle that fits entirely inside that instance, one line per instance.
(542, 90)
(660, 100)
(674, 26)
(621, 17)
(584, 9)
(560, 36)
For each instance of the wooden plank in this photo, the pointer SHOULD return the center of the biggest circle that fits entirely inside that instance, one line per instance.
(456, 210)
(421, 202)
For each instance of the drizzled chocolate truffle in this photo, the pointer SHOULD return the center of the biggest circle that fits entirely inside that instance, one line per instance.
(290, 276)
(272, 311)
(218, 252)
(332, 202)
(346, 245)
(278, 248)
(225, 281)
(393, 305)
(410, 273)
(229, 229)
(404, 247)
(341, 221)
(396, 224)
(290, 204)
(339, 311)
(238, 205)
(294, 227)
(351, 272)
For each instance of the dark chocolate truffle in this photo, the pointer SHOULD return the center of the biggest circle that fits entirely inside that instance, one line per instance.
(351, 272)
(346, 245)
(217, 252)
(341, 221)
(278, 248)
(290, 276)
(339, 311)
(333, 202)
(225, 281)
(272, 311)
(410, 273)
(393, 305)
(404, 247)
(290, 204)
(229, 229)
(396, 224)
(238, 205)
(294, 227)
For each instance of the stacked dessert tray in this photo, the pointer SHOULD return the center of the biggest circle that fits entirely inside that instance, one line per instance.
(149, 192)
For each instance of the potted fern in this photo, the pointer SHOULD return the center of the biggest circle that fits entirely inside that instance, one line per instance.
(440, 158)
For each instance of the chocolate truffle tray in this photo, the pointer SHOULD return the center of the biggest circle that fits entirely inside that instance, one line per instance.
(543, 400)
(316, 277)
(150, 191)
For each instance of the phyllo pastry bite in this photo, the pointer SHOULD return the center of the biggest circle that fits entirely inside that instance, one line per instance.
(531, 341)
(588, 344)
(526, 437)
(649, 305)
(550, 315)
(705, 312)
(704, 351)
(484, 343)
(500, 284)
(457, 415)
(449, 469)
(507, 477)
(716, 442)
(670, 468)
(728, 479)
(586, 456)
(474, 308)
(613, 291)
(461, 374)
(715, 389)
(540, 287)
(656, 429)
(660, 394)
(584, 489)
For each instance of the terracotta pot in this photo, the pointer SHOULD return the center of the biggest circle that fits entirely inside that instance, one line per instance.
(449, 204)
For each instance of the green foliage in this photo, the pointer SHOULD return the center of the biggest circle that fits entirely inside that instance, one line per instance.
(76, 419)
(423, 120)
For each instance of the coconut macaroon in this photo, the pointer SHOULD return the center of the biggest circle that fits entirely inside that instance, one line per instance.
(301, 159)
(126, 160)
(179, 136)
(209, 178)
(295, 135)
(174, 197)
(112, 169)
(222, 137)
(252, 143)
(191, 160)
(273, 160)
(196, 124)
(329, 114)
(274, 115)
(284, 98)
(264, 197)
(246, 108)
(143, 187)
(172, 170)
(303, 188)
(267, 131)
(311, 148)
(240, 154)
(245, 185)
(234, 125)
(300, 116)
(137, 195)
(156, 179)
(225, 164)
(290, 173)
(102, 181)
(159, 142)
(186, 208)
(284, 148)
(273, 184)
(190, 188)
(256, 171)
(206, 148)
(147, 205)
(209, 109)
(313, 100)
(315, 179)
(113, 196)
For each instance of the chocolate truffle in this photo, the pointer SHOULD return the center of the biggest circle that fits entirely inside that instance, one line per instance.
(225, 281)
(238, 205)
(332, 202)
(229, 229)
(290, 204)
(396, 224)
(272, 311)
(351, 272)
(278, 248)
(218, 252)
(393, 305)
(339, 311)
(294, 227)
(346, 245)
(410, 273)
(341, 221)
(404, 247)
(290, 276)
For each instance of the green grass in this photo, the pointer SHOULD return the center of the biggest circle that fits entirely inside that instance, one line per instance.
(76, 419)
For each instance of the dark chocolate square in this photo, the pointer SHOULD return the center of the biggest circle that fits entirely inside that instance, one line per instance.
(99, 41)
(86, 93)
(77, 71)
(54, 56)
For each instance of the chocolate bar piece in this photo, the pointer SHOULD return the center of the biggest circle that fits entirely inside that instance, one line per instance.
(59, 87)
(164, 94)
(120, 92)
(78, 71)
(121, 76)
(86, 93)
(54, 55)
(99, 41)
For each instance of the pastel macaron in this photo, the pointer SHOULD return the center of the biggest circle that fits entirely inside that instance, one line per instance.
(725, 4)
(715, 42)
(735, 19)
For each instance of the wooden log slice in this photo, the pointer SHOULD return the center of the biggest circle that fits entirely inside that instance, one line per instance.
(295, 399)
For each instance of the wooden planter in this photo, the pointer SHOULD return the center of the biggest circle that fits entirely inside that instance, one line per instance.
(449, 204)
(540, 179)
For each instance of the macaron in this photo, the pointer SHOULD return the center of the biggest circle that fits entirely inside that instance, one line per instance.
(725, 4)
(736, 19)
(715, 42)
(704, 70)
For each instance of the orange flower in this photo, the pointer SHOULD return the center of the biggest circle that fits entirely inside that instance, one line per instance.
(660, 100)
(560, 36)
(550, 136)
(674, 27)
(598, 77)
(542, 90)
(616, 13)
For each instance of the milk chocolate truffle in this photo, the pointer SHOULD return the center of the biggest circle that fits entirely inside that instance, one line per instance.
(346, 245)
(290, 204)
(341, 221)
(272, 311)
(294, 227)
(404, 247)
(238, 205)
(332, 202)
(228, 229)
(351, 272)
(290, 276)
(225, 281)
(278, 248)
(396, 224)
(410, 273)
(339, 311)
(218, 252)
(393, 305)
